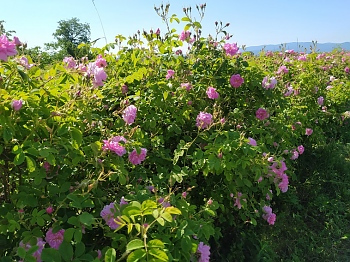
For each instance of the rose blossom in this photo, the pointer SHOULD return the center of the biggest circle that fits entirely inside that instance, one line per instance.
(204, 120)
(136, 158)
(236, 81)
(261, 114)
(129, 114)
(212, 93)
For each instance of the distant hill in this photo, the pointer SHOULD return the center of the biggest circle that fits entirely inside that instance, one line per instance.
(300, 47)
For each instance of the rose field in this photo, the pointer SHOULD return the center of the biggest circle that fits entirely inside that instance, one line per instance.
(172, 146)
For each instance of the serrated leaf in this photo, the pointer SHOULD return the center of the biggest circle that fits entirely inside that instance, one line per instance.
(86, 218)
(160, 221)
(155, 243)
(159, 254)
(66, 251)
(68, 234)
(134, 244)
(110, 255)
(173, 210)
(50, 255)
(136, 255)
(167, 216)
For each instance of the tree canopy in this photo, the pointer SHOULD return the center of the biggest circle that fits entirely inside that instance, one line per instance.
(69, 35)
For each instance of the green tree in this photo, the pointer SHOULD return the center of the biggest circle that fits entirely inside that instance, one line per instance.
(69, 35)
(3, 30)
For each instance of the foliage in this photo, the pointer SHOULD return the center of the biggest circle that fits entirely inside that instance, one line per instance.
(155, 154)
(69, 35)
(8, 33)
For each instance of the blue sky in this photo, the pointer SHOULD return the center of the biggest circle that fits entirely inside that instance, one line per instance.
(252, 22)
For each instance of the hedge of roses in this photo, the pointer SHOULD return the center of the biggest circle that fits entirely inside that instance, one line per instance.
(148, 155)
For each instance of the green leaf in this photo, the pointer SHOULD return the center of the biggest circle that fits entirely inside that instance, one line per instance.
(79, 249)
(110, 255)
(136, 255)
(165, 95)
(86, 218)
(132, 211)
(134, 244)
(77, 137)
(31, 165)
(21, 252)
(68, 234)
(16, 149)
(7, 134)
(167, 216)
(173, 210)
(51, 159)
(19, 159)
(78, 235)
(148, 204)
(160, 221)
(66, 251)
(50, 255)
(159, 254)
(185, 19)
(155, 243)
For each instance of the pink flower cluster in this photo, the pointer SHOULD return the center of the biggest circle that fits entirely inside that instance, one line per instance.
(269, 83)
(320, 100)
(212, 93)
(129, 114)
(231, 49)
(7, 48)
(236, 80)
(204, 252)
(282, 69)
(252, 141)
(69, 62)
(188, 86)
(100, 61)
(110, 215)
(261, 114)
(238, 200)
(184, 35)
(17, 104)
(54, 239)
(170, 74)
(96, 69)
(280, 177)
(204, 120)
(269, 216)
(114, 145)
(136, 158)
(24, 62)
(40, 243)
(308, 131)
